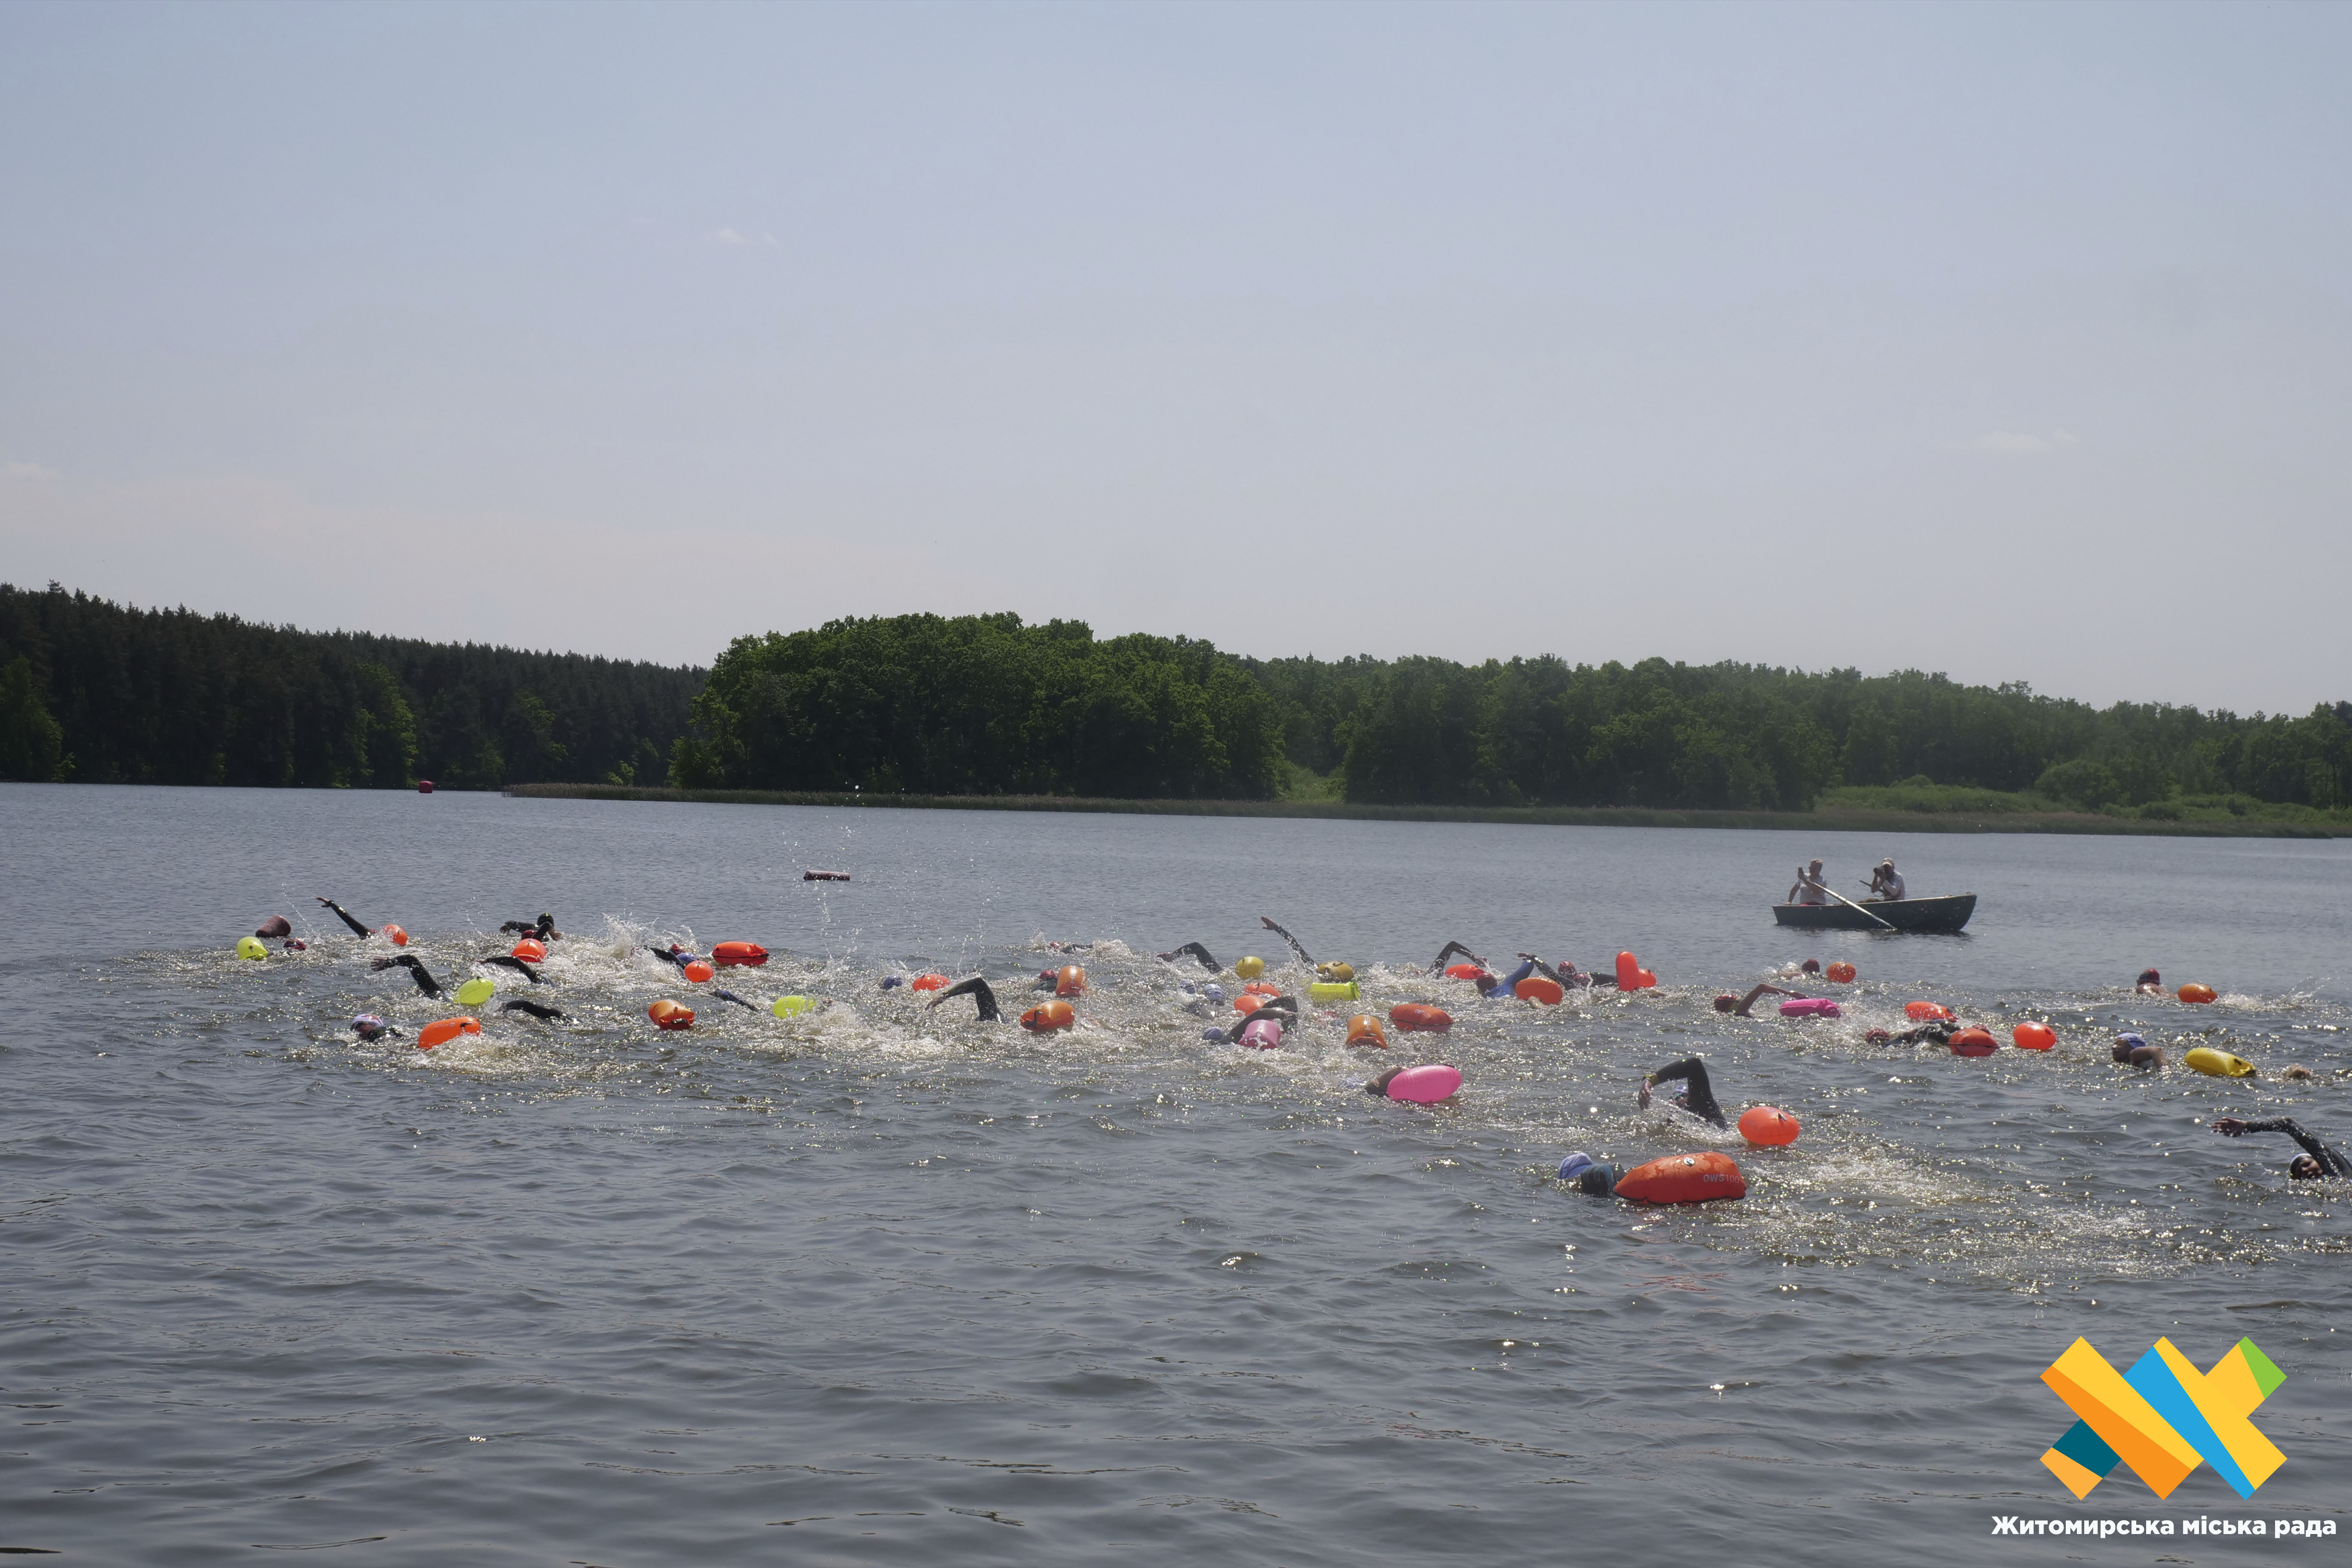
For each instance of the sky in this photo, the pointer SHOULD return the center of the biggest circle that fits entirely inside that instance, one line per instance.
(2010, 342)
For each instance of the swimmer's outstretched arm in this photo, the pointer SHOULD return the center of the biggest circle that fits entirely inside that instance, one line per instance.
(675, 959)
(1449, 950)
(508, 960)
(1546, 970)
(977, 989)
(417, 972)
(339, 908)
(1285, 936)
(731, 996)
(533, 1008)
(2330, 1161)
(1699, 1096)
(1509, 983)
(1749, 1000)
(1197, 951)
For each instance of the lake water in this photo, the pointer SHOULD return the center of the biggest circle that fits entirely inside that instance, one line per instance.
(880, 1285)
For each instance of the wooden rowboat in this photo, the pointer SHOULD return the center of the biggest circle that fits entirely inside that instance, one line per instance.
(1945, 915)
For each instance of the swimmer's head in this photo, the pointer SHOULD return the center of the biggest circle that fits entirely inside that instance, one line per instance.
(2299, 1074)
(1214, 1037)
(2150, 977)
(1876, 1038)
(1725, 1003)
(2304, 1168)
(1811, 966)
(1214, 992)
(892, 982)
(1577, 1162)
(1380, 1084)
(2125, 1044)
(367, 1026)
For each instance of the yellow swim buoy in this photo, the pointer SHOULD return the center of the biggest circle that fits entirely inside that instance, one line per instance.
(1340, 973)
(476, 991)
(1249, 968)
(2219, 1064)
(792, 1006)
(251, 947)
(1332, 991)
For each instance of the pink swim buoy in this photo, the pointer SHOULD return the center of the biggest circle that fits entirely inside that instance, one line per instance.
(1809, 1008)
(1425, 1085)
(1261, 1034)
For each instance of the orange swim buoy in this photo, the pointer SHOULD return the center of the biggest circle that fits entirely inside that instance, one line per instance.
(1250, 1001)
(2195, 995)
(928, 982)
(2033, 1036)
(1363, 1030)
(444, 1031)
(1048, 1017)
(747, 954)
(400, 938)
(1463, 972)
(698, 971)
(1420, 1018)
(1631, 976)
(668, 1015)
(530, 952)
(1839, 972)
(1536, 988)
(1768, 1126)
(1262, 988)
(1683, 1179)
(1070, 981)
(1920, 1012)
(1974, 1043)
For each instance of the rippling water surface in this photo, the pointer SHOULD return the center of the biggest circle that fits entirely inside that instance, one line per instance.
(878, 1282)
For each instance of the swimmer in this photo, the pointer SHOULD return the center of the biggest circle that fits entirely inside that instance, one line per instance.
(977, 989)
(1739, 1005)
(1450, 949)
(1589, 1175)
(1285, 936)
(2133, 1051)
(533, 1008)
(1934, 1032)
(2150, 982)
(1379, 1086)
(542, 930)
(892, 982)
(1698, 1098)
(2297, 1075)
(2315, 1160)
(1070, 947)
(508, 960)
(1569, 975)
(1506, 987)
(673, 955)
(357, 929)
(1282, 1010)
(1196, 950)
(417, 972)
(731, 996)
(368, 1027)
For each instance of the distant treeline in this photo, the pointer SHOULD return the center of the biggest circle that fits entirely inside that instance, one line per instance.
(90, 690)
(986, 705)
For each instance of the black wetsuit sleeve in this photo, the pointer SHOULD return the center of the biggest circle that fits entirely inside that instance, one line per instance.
(1701, 1094)
(1304, 957)
(2332, 1163)
(339, 908)
(1199, 952)
(982, 997)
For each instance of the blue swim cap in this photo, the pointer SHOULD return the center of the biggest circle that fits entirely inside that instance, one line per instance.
(1214, 1037)
(1575, 1165)
(1214, 992)
(891, 981)
(366, 1021)
(2134, 1041)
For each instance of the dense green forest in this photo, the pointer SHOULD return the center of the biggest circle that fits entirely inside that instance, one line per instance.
(986, 705)
(90, 690)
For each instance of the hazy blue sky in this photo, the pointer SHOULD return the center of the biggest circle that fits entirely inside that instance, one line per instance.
(2013, 341)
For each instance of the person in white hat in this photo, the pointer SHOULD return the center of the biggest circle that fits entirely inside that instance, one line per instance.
(1886, 882)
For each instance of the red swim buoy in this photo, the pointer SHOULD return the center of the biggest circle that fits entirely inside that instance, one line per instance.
(424, 787)
(399, 937)
(2033, 1036)
(1069, 981)
(445, 1030)
(1420, 1018)
(1631, 976)
(668, 1014)
(2195, 995)
(1048, 1017)
(530, 952)
(697, 971)
(1920, 1012)
(1974, 1043)
(928, 982)
(744, 955)
(1839, 972)
(1768, 1126)
(1536, 988)
(1250, 1001)
(1685, 1179)
(1464, 972)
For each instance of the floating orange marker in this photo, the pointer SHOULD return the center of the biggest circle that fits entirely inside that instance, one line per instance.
(1683, 1179)
(447, 1029)
(400, 939)
(1767, 1127)
(1536, 988)
(1840, 973)
(2033, 1036)
(1463, 972)
(929, 982)
(1048, 1017)
(1420, 1018)
(1974, 1043)
(1070, 981)
(747, 954)
(668, 1015)
(1631, 976)
(1920, 1012)
(529, 951)
(698, 971)
(2196, 994)
(1363, 1030)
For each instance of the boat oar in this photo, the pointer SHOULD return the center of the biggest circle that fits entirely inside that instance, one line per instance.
(1849, 903)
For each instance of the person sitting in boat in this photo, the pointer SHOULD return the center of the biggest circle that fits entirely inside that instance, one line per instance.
(2315, 1160)
(1809, 889)
(1886, 882)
